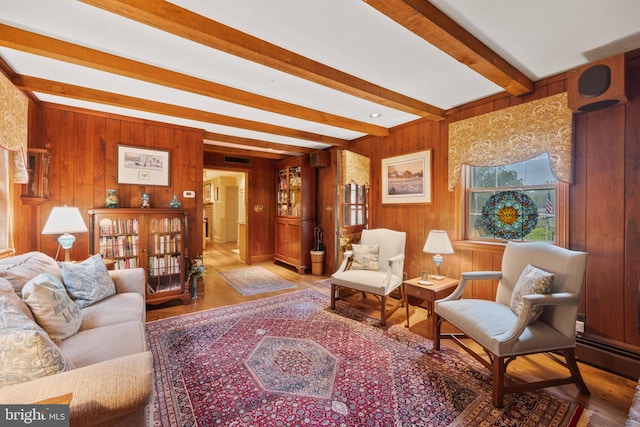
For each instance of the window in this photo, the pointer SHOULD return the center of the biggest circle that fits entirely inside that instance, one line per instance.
(355, 205)
(534, 190)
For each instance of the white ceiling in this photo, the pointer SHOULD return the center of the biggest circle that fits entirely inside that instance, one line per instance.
(539, 38)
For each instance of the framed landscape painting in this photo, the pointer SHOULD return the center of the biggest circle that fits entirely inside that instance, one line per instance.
(407, 178)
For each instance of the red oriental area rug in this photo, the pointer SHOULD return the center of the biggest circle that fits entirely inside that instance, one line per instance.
(290, 361)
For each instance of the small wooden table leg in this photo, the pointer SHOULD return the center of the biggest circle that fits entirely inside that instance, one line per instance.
(406, 303)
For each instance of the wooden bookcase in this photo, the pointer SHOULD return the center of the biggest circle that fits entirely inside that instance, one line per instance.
(154, 239)
(295, 212)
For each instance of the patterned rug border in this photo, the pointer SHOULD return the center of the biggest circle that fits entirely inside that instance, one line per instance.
(324, 282)
(479, 412)
(233, 307)
(273, 282)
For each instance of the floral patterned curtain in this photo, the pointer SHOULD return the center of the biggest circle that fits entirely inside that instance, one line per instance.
(513, 135)
(354, 168)
(13, 127)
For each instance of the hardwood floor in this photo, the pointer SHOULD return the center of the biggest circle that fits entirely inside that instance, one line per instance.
(608, 404)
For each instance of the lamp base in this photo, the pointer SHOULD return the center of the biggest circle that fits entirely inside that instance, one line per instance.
(436, 277)
(66, 241)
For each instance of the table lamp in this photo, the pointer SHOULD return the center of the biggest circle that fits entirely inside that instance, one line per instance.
(64, 220)
(437, 243)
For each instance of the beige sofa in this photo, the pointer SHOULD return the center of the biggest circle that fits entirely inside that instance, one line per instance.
(112, 376)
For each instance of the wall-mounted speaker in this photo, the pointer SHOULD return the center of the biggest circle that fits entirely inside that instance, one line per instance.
(320, 159)
(597, 85)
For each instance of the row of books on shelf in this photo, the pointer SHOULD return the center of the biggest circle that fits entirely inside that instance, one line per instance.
(166, 243)
(163, 225)
(167, 264)
(119, 246)
(110, 226)
(164, 286)
(125, 263)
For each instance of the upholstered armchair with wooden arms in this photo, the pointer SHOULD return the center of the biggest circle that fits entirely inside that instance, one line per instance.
(374, 266)
(537, 279)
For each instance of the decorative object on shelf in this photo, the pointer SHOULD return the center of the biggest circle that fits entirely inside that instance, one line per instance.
(174, 203)
(111, 201)
(64, 220)
(437, 243)
(146, 200)
(510, 215)
(196, 270)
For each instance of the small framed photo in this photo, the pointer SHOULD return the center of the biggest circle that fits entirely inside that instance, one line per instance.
(407, 178)
(206, 197)
(143, 166)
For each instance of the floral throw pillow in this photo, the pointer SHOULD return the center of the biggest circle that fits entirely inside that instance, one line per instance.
(26, 351)
(532, 281)
(365, 257)
(87, 282)
(52, 307)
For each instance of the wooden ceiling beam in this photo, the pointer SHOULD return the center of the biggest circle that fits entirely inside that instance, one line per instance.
(242, 152)
(428, 22)
(238, 140)
(35, 84)
(176, 20)
(38, 44)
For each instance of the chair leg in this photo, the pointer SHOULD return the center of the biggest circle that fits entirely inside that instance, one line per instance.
(498, 369)
(333, 296)
(572, 364)
(436, 334)
(383, 310)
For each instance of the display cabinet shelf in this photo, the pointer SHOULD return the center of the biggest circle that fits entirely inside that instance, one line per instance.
(295, 212)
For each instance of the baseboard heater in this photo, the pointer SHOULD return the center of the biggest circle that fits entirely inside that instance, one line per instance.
(609, 358)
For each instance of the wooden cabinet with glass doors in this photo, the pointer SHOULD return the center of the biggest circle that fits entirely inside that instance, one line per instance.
(295, 212)
(154, 239)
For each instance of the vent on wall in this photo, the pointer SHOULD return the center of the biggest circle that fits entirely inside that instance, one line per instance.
(597, 85)
(237, 160)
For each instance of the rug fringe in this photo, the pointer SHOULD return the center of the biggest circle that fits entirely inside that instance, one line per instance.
(582, 417)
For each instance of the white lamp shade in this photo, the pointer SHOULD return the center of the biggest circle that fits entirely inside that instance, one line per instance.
(64, 219)
(438, 243)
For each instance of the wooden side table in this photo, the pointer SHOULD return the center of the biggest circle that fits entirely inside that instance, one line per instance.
(417, 294)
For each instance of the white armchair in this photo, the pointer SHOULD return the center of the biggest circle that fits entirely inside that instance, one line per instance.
(503, 333)
(378, 278)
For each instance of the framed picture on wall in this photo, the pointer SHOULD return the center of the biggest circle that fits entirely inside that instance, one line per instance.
(206, 196)
(407, 178)
(143, 166)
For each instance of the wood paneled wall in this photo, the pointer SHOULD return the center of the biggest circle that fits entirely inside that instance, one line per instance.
(84, 147)
(603, 213)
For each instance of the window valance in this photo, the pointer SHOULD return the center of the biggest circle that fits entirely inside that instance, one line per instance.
(354, 168)
(513, 135)
(13, 127)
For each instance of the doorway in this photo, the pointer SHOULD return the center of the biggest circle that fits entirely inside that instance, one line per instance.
(224, 212)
